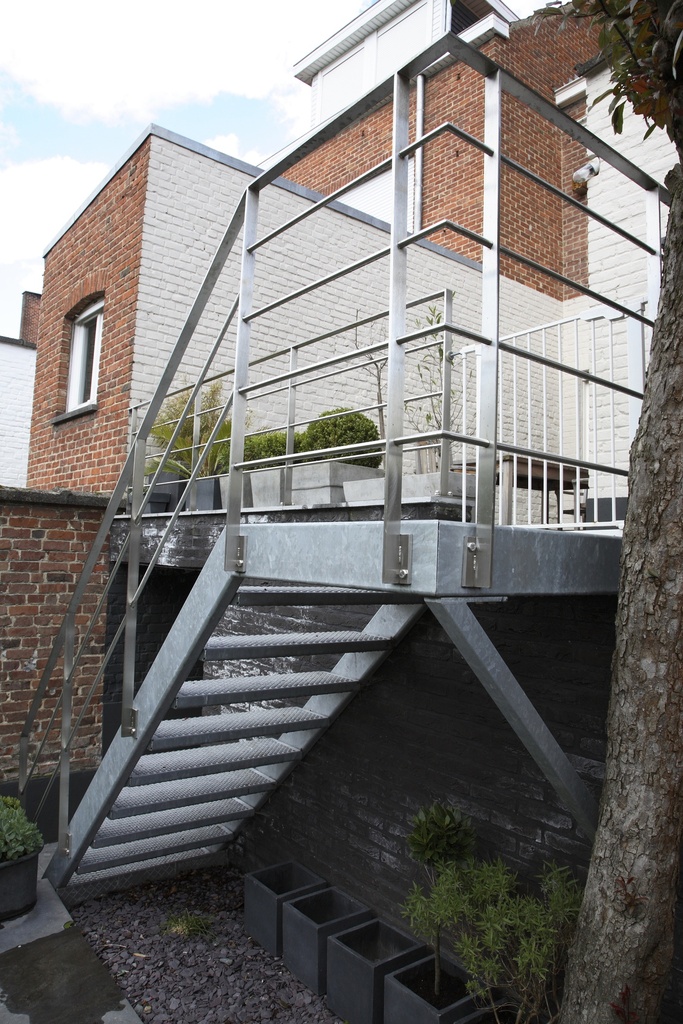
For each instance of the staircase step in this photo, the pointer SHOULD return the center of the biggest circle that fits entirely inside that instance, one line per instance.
(113, 832)
(185, 764)
(254, 596)
(189, 732)
(272, 645)
(150, 849)
(247, 689)
(188, 792)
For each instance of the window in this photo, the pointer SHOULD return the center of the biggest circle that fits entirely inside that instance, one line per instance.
(85, 357)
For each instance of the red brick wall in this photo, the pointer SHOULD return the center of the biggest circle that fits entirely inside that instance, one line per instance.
(532, 220)
(30, 314)
(44, 541)
(99, 255)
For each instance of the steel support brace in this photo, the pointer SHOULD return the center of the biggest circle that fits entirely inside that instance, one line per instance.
(235, 543)
(478, 552)
(131, 625)
(396, 548)
(459, 622)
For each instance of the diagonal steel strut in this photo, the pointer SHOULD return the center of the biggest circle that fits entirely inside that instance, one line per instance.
(471, 640)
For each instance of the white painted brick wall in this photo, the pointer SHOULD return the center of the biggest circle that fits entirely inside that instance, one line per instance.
(17, 371)
(190, 197)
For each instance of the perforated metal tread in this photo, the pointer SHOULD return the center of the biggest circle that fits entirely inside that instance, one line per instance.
(188, 732)
(185, 764)
(150, 849)
(253, 596)
(112, 832)
(188, 792)
(205, 692)
(271, 645)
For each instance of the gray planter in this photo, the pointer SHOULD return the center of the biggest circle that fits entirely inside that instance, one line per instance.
(319, 483)
(403, 1005)
(414, 485)
(357, 963)
(307, 924)
(18, 885)
(266, 891)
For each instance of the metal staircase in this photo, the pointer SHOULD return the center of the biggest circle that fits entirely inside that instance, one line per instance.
(184, 785)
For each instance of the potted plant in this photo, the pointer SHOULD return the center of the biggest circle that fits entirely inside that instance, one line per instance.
(180, 461)
(20, 845)
(513, 943)
(320, 481)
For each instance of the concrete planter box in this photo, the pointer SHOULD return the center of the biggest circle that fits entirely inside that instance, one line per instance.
(403, 1005)
(415, 485)
(307, 924)
(18, 885)
(320, 483)
(265, 893)
(357, 963)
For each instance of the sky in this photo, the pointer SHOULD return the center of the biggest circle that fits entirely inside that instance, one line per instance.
(81, 80)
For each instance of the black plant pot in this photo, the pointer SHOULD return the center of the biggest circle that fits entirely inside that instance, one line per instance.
(357, 963)
(18, 885)
(307, 924)
(403, 1003)
(266, 891)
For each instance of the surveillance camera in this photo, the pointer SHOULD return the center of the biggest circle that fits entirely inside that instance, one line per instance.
(588, 170)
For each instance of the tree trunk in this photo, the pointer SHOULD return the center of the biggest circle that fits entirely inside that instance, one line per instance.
(625, 932)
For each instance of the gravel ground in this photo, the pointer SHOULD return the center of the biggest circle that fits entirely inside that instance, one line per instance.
(222, 978)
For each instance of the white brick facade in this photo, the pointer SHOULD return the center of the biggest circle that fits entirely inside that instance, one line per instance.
(17, 372)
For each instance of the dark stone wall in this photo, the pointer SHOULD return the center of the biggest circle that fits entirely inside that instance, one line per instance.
(160, 602)
(424, 729)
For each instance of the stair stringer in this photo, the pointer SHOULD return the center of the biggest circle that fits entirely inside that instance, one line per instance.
(390, 621)
(212, 592)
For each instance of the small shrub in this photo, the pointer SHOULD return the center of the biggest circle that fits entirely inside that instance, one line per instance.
(18, 835)
(188, 925)
(334, 430)
(267, 446)
(507, 939)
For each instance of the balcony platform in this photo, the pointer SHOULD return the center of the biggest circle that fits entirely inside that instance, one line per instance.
(342, 546)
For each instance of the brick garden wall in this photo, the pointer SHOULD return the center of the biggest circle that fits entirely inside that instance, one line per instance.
(98, 256)
(44, 541)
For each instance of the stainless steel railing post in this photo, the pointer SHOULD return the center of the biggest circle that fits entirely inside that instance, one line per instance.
(396, 554)
(235, 543)
(128, 715)
(478, 551)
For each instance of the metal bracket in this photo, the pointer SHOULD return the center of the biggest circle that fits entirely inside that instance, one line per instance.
(129, 727)
(65, 843)
(239, 562)
(476, 562)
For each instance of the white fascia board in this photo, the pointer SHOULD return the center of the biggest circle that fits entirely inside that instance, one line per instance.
(571, 92)
(350, 35)
(483, 30)
(498, 7)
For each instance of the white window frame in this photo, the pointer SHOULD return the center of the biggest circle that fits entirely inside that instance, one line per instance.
(78, 393)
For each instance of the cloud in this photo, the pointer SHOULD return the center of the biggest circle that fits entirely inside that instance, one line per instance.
(37, 198)
(94, 64)
(231, 145)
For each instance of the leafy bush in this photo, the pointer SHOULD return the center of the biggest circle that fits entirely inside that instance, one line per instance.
(266, 446)
(334, 430)
(509, 940)
(441, 837)
(18, 835)
(180, 460)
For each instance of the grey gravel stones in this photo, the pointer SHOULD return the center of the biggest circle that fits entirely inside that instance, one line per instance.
(171, 979)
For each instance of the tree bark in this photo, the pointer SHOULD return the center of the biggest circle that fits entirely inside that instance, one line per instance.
(625, 931)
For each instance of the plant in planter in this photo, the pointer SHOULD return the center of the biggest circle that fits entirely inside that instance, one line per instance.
(441, 836)
(180, 458)
(20, 844)
(338, 427)
(513, 943)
